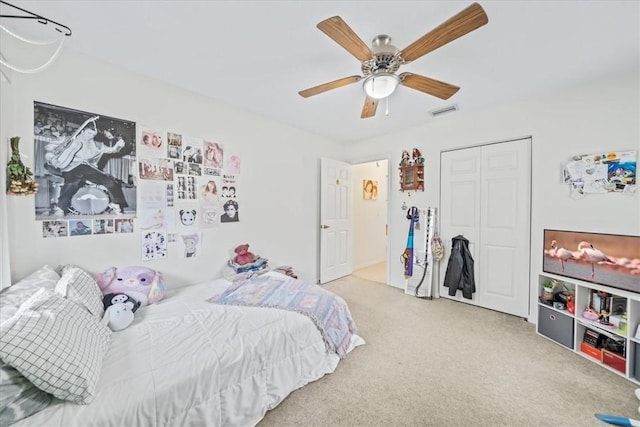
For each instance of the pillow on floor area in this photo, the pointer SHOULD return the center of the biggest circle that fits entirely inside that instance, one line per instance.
(78, 286)
(12, 297)
(57, 345)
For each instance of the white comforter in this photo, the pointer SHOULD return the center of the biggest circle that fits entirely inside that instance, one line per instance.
(185, 361)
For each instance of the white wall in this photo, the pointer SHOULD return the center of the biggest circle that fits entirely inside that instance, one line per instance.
(279, 208)
(5, 277)
(6, 131)
(281, 224)
(369, 216)
(601, 116)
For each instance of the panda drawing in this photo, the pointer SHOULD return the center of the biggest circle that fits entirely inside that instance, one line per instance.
(187, 218)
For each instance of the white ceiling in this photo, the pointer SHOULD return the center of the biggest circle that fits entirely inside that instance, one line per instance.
(256, 55)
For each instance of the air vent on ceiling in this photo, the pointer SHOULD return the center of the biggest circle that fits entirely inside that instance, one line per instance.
(444, 110)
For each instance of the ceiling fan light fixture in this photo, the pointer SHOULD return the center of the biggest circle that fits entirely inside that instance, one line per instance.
(380, 62)
(380, 85)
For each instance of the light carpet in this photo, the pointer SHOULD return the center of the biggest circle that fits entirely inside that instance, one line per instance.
(446, 363)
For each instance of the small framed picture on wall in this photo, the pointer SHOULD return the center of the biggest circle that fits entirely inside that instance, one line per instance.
(369, 189)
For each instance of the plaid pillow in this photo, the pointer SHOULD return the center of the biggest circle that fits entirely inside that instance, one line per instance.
(19, 398)
(78, 286)
(56, 345)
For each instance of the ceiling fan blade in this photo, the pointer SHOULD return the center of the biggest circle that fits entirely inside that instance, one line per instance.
(425, 84)
(328, 86)
(369, 108)
(469, 19)
(341, 33)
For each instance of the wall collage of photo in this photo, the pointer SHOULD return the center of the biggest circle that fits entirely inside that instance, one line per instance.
(605, 172)
(96, 174)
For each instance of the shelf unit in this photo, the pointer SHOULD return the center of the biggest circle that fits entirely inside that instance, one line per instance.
(568, 329)
(412, 177)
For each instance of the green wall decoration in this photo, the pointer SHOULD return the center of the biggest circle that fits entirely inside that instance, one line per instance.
(19, 177)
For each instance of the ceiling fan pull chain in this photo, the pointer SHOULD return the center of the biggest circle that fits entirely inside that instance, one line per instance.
(386, 111)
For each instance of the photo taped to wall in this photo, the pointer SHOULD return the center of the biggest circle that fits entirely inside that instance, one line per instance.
(80, 227)
(103, 226)
(213, 155)
(152, 143)
(54, 229)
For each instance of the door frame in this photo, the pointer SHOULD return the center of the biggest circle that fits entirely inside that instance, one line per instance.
(374, 158)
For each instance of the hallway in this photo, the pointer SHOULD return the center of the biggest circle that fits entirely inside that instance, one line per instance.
(375, 273)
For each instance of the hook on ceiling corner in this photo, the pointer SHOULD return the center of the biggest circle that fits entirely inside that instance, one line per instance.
(61, 28)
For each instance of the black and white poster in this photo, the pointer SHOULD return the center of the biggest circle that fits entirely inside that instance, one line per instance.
(84, 164)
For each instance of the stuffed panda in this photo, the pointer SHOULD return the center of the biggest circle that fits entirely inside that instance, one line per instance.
(111, 299)
(187, 217)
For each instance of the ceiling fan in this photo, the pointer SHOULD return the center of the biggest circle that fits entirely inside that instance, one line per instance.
(382, 60)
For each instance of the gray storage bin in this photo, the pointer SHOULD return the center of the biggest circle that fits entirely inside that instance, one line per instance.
(556, 326)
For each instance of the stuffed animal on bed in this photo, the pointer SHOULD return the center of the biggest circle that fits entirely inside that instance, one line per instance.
(140, 283)
(243, 256)
(118, 310)
(118, 316)
(110, 299)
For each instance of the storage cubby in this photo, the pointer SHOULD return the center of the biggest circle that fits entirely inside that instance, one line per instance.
(599, 325)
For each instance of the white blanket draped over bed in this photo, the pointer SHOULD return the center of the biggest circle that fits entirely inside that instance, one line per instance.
(185, 361)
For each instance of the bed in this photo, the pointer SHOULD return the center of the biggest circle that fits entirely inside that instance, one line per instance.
(188, 361)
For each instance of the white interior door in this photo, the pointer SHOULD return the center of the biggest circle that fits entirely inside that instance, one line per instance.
(504, 227)
(459, 207)
(335, 220)
(485, 196)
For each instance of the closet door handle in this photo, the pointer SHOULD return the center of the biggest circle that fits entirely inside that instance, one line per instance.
(323, 226)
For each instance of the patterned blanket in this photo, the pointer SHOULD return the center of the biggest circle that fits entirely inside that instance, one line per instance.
(328, 311)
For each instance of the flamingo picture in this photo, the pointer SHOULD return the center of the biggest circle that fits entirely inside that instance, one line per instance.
(590, 254)
(561, 253)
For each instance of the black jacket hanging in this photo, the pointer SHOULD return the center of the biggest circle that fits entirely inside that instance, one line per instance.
(460, 268)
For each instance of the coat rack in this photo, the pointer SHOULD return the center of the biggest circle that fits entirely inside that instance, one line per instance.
(41, 19)
(424, 275)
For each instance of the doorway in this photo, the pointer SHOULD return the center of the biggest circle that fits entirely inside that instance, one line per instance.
(370, 210)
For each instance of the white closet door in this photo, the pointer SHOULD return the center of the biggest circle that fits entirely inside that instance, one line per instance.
(459, 207)
(485, 196)
(504, 227)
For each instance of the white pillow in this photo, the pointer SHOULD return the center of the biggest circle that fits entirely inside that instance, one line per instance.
(78, 286)
(12, 297)
(57, 345)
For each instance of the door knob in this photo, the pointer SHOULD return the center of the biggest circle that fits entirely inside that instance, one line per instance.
(324, 226)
